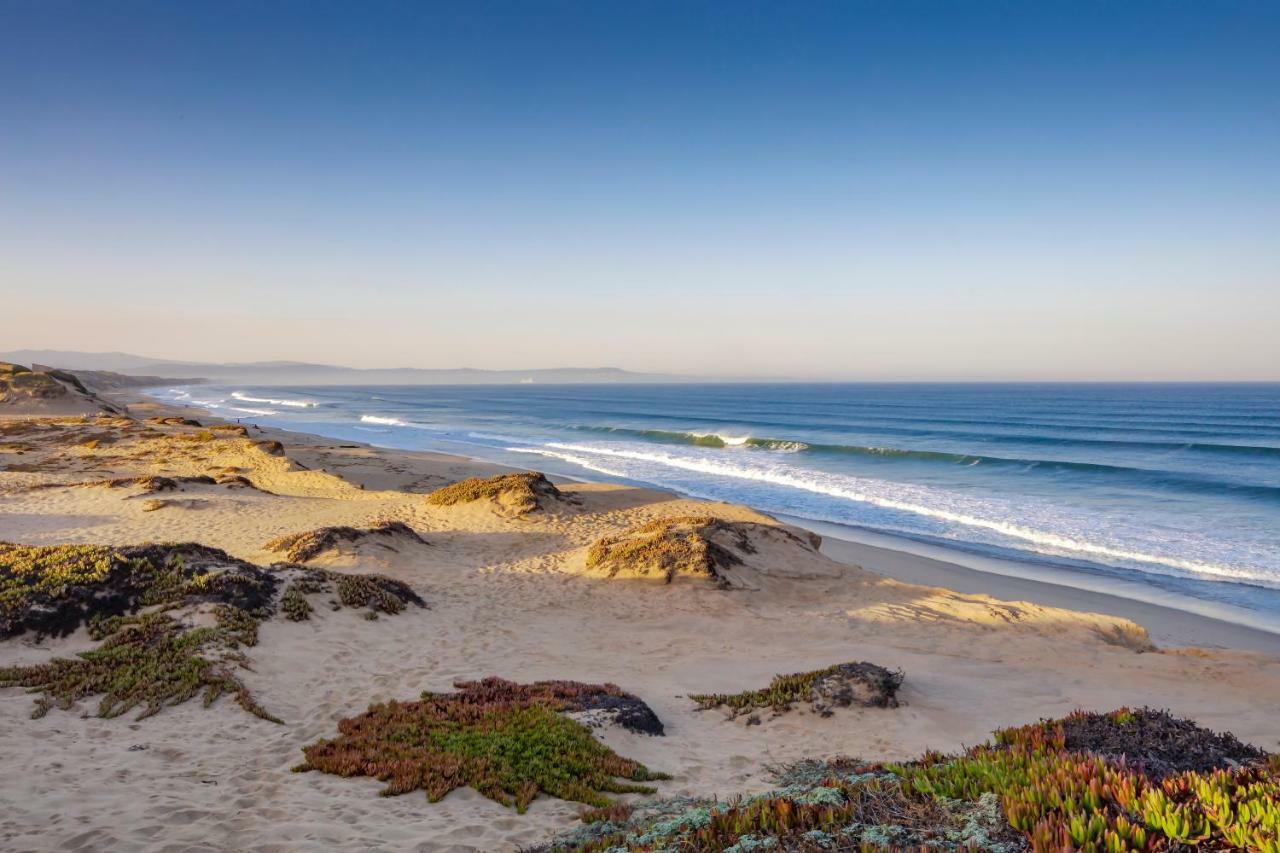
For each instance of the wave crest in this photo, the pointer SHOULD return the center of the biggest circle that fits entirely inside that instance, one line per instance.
(297, 404)
(380, 419)
(705, 439)
(859, 490)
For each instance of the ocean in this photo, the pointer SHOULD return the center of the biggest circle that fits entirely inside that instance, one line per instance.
(1169, 492)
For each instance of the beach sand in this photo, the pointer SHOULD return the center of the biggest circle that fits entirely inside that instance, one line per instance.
(513, 597)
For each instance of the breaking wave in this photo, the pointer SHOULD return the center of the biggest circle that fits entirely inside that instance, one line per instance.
(704, 439)
(296, 404)
(880, 494)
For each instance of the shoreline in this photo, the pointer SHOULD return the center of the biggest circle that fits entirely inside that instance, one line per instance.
(511, 591)
(897, 559)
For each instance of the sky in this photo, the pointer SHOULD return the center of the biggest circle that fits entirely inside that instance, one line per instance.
(855, 190)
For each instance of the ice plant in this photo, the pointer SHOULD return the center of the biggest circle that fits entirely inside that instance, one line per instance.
(507, 741)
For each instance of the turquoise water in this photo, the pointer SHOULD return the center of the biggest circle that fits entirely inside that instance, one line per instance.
(1173, 486)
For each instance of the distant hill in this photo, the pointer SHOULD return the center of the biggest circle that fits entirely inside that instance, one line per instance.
(113, 361)
(46, 391)
(301, 373)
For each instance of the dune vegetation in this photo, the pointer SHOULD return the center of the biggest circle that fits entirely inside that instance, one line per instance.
(376, 593)
(507, 741)
(147, 606)
(150, 660)
(1102, 783)
(671, 547)
(309, 544)
(844, 684)
(514, 494)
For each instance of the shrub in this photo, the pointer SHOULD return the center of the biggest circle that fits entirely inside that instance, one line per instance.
(506, 741)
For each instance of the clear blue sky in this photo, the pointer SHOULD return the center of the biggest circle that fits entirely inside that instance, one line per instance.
(874, 190)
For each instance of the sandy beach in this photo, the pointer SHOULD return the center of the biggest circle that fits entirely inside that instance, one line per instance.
(514, 597)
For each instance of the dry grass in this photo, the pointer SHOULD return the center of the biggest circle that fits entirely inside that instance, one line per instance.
(515, 494)
(1127, 635)
(301, 547)
(671, 547)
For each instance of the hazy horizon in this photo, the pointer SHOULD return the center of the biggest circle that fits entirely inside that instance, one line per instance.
(849, 192)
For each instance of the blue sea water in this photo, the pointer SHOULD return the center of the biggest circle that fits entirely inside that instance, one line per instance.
(1173, 486)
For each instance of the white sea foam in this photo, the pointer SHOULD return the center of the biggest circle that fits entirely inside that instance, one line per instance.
(249, 411)
(297, 404)
(384, 420)
(489, 436)
(881, 494)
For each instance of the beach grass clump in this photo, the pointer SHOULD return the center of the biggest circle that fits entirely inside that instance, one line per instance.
(150, 661)
(671, 547)
(515, 494)
(508, 742)
(309, 544)
(1127, 635)
(841, 684)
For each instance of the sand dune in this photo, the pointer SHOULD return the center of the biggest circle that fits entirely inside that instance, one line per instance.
(512, 597)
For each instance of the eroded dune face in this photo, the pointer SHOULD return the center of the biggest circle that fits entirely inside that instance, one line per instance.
(24, 391)
(728, 554)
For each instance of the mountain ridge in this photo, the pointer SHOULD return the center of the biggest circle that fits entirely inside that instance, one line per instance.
(297, 372)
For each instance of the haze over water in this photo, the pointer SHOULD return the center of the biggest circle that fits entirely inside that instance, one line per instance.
(1174, 486)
